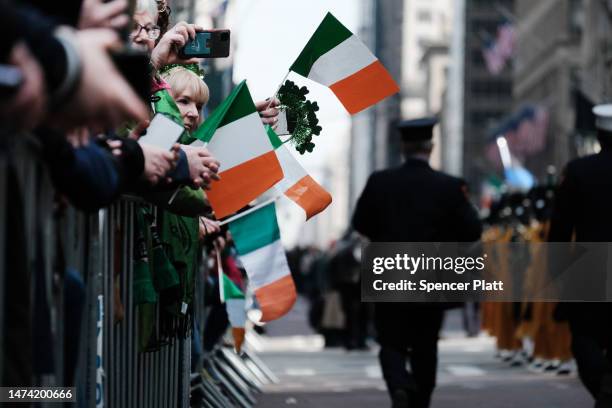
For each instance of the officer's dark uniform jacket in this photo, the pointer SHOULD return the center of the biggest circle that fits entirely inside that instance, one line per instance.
(414, 203)
(582, 213)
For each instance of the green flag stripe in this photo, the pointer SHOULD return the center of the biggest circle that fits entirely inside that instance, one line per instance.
(328, 35)
(274, 139)
(242, 106)
(166, 105)
(255, 230)
(230, 290)
(235, 106)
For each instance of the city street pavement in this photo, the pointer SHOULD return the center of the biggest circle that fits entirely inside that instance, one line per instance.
(469, 376)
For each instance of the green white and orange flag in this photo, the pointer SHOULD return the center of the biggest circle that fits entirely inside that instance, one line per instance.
(235, 305)
(297, 185)
(257, 239)
(336, 58)
(237, 138)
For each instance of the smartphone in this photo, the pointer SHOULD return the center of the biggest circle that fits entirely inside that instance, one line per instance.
(162, 132)
(208, 44)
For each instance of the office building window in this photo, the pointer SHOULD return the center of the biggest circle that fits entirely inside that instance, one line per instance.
(424, 16)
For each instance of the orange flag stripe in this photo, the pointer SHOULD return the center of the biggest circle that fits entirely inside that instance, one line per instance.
(309, 195)
(276, 298)
(365, 87)
(237, 187)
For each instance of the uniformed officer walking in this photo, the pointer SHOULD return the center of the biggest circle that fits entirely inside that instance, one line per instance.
(413, 203)
(582, 212)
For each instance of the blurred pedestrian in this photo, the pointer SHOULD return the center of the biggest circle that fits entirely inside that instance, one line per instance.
(345, 272)
(413, 203)
(581, 213)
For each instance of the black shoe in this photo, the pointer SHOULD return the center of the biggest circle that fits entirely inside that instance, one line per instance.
(400, 399)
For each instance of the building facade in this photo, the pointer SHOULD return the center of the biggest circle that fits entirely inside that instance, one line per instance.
(548, 73)
(487, 97)
(374, 141)
(426, 22)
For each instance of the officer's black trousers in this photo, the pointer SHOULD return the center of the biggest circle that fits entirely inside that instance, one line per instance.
(407, 332)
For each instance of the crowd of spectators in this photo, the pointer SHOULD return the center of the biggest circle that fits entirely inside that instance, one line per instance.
(82, 78)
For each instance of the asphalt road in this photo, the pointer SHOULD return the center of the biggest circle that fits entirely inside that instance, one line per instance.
(469, 376)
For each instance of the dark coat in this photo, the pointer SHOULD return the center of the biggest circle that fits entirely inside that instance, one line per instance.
(414, 203)
(583, 201)
(582, 213)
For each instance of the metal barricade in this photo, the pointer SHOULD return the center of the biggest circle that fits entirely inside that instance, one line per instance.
(117, 374)
(111, 371)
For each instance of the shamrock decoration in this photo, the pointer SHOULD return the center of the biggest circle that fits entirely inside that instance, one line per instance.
(195, 68)
(302, 121)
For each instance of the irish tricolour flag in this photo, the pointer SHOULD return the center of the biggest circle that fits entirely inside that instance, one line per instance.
(297, 185)
(235, 306)
(237, 138)
(257, 239)
(336, 58)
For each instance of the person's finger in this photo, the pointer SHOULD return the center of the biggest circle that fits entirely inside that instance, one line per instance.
(119, 21)
(140, 129)
(269, 121)
(105, 37)
(182, 31)
(197, 182)
(191, 31)
(215, 177)
(112, 9)
(177, 39)
(153, 179)
(213, 167)
(116, 152)
(203, 152)
(261, 105)
(268, 113)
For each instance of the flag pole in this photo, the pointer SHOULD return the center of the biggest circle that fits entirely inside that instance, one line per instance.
(220, 274)
(249, 211)
(277, 89)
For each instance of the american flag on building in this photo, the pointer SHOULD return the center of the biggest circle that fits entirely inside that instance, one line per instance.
(499, 50)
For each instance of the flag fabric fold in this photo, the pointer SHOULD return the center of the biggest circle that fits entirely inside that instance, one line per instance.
(297, 185)
(235, 305)
(237, 138)
(257, 239)
(336, 58)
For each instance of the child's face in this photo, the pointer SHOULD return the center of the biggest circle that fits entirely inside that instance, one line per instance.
(190, 109)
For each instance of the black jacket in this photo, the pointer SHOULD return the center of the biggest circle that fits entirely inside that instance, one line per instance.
(583, 201)
(582, 213)
(414, 203)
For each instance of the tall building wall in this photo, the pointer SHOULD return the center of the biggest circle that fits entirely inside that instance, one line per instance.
(487, 98)
(547, 72)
